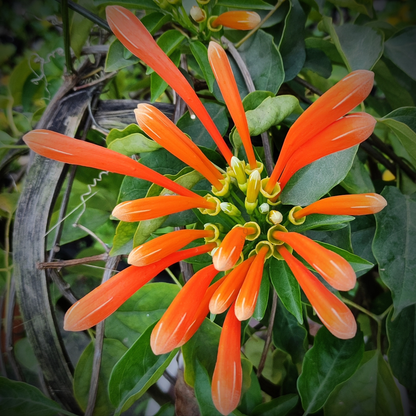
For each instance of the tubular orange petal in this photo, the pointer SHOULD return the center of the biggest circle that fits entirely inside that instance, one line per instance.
(230, 248)
(157, 206)
(228, 377)
(172, 327)
(333, 313)
(331, 266)
(135, 37)
(226, 294)
(106, 298)
(340, 135)
(154, 250)
(336, 102)
(66, 149)
(226, 81)
(163, 131)
(354, 204)
(247, 297)
(202, 312)
(238, 19)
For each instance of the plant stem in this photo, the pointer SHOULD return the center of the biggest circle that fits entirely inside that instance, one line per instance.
(67, 39)
(253, 31)
(169, 271)
(361, 309)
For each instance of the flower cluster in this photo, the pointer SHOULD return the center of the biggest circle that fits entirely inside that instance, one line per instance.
(243, 197)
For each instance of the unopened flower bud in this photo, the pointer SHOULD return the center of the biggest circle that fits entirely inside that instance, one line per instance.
(230, 209)
(264, 208)
(198, 14)
(275, 217)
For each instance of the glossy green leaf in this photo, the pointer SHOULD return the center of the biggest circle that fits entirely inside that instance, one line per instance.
(25, 355)
(339, 238)
(321, 222)
(21, 399)
(154, 21)
(363, 229)
(246, 4)
(263, 297)
(252, 397)
(263, 61)
(325, 46)
(402, 339)
(394, 247)
(168, 409)
(358, 180)
(317, 61)
(112, 351)
(252, 100)
(136, 371)
(17, 79)
(194, 128)
(327, 364)
(200, 52)
(202, 347)
(316, 179)
(280, 406)
(140, 311)
(288, 334)
(396, 122)
(286, 287)
(400, 49)
(80, 28)
(364, 7)
(133, 144)
(115, 58)
(371, 391)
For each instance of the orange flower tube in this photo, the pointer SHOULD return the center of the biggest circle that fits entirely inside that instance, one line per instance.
(224, 75)
(228, 376)
(340, 135)
(336, 102)
(237, 19)
(333, 313)
(230, 248)
(247, 297)
(331, 266)
(135, 37)
(157, 206)
(66, 149)
(172, 327)
(354, 204)
(226, 294)
(160, 247)
(202, 312)
(108, 297)
(154, 123)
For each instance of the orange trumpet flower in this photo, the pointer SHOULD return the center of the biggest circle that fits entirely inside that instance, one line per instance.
(336, 102)
(130, 31)
(333, 313)
(108, 297)
(158, 206)
(66, 149)
(237, 19)
(247, 297)
(331, 266)
(155, 124)
(228, 376)
(174, 324)
(160, 247)
(224, 75)
(340, 135)
(226, 294)
(354, 204)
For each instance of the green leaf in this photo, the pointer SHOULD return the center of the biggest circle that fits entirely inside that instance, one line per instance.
(394, 247)
(154, 21)
(136, 371)
(339, 238)
(402, 339)
(396, 122)
(363, 229)
(130, 4)
(21, 399)
(246, 4)
(288, 334)
(330, 362)
(321, 222)
(252, 100)
(111, 353)
(400, 49)
(8, 202)
(370, 391)
(286, 287)
(280, 406)
(263, 61)
(316, 179)
(200, 52)
(80, 28)
(133, 144)
(252, 397)
(358, 180)
(17, 79)
(157, 84)
(25, 355)
(202, 348)
(194, 128)
(115, 59)
(364, 6)
(140, 311)
(325, 46)
(263, 297)
(317, 61)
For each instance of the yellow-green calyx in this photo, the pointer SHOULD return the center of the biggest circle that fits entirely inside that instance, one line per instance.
(273, 194)
(238, 168)
(230, 209)
(210, 23)
(213, 227)
(272, 230)
(292, 219)
(254, 226)
(225, 190)
(253, 189)
(270, 247)
(209, 211)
